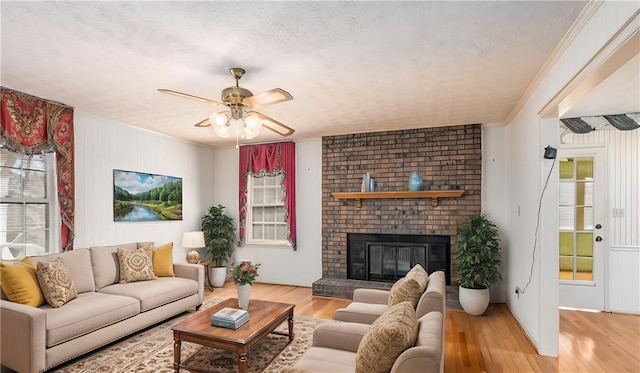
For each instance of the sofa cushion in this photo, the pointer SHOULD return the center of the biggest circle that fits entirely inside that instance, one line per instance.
(55, 282)
(152, 294)
(78, 262)
(325, 360)
(19, 283)
(136, 265)
(88, 312)
(163, 260)
(104, 263)
(405, 289)
(360, 312)
(392, 333)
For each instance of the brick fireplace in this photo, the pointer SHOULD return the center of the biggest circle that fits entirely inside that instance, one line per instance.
(446, 158)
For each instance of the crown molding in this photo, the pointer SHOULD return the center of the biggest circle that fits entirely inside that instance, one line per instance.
(578, 25)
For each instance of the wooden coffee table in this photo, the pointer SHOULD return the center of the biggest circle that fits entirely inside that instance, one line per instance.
(264, 318)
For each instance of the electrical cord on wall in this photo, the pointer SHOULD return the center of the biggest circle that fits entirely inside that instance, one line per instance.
(535, 240)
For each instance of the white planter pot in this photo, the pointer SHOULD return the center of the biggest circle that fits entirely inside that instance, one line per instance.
(217, 276)
(474, 301)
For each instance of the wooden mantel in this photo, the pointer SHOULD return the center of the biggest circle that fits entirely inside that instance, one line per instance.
(433, 194)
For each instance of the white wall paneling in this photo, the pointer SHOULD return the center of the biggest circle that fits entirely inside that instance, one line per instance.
(526, 138)
(282, 265)
(493, 189)
(102, 146)
(624, 279)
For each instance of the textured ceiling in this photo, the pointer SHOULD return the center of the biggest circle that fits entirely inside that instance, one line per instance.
(350, 66)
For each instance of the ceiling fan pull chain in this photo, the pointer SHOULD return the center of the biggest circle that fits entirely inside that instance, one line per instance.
(237, 135)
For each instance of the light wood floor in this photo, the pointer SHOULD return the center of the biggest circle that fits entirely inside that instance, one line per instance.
(589, 342)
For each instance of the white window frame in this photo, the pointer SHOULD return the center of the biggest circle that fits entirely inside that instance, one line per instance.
(249, 240)
(13, 251)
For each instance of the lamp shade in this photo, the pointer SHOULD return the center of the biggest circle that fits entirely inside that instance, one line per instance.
(193, 239)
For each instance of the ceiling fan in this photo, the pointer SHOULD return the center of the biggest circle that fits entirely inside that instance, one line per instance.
(240, 102)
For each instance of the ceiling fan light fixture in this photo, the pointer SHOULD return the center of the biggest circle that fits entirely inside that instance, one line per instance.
(251, 132)
(220, 118)
(221, 130)
(252, 120)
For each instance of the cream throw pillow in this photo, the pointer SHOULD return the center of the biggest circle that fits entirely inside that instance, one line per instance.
(419, 274)
(136, 264)
(163, 260)
(405, 289)
(19, 283)
(55, 282)
(392, 333)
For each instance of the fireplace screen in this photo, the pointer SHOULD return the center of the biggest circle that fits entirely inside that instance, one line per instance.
(383, 257)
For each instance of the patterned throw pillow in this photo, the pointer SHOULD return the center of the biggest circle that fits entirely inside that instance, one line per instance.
(392, 333)
(419, 274)
(19, 282)
(405, 289)
(136, 264)
(55, 282)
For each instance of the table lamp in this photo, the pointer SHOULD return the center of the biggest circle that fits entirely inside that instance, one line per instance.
(193, 240)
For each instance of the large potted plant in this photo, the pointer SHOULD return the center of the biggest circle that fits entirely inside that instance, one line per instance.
(219, 239)
(478, 254)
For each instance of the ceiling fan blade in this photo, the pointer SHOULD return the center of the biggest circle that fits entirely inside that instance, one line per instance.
(275, 126)
(186, 95)
(203, 123)
(270, 97)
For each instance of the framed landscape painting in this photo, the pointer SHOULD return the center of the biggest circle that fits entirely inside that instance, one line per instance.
(139, 196)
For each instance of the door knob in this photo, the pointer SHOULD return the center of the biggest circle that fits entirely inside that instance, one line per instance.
(598, 239)
(598, 226)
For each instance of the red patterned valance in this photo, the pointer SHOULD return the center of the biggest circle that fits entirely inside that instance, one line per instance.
(31, 125)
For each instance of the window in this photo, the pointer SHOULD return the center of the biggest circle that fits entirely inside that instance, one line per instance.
(267, 198)
(27, 204)
(266, 211)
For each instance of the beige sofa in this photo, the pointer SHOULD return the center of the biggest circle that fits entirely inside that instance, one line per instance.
(336, 346)
(36, 339)
(369, 304)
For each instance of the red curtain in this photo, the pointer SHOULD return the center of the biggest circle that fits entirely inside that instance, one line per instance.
(270, 159)
(30, 125)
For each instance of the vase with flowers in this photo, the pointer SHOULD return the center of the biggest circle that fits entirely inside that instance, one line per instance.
(244, 273)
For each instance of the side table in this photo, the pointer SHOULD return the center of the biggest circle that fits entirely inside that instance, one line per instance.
(207, 283)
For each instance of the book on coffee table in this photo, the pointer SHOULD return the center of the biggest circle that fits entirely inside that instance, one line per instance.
(231, 318)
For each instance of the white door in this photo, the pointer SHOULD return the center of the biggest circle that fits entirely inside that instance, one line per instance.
(582, 232)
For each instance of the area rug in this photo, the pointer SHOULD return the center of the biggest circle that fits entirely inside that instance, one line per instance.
(152, 351)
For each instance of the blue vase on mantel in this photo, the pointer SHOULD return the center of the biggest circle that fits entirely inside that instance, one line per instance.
(415, 182)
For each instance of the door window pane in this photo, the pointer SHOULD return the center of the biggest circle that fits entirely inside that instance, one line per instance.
(566, 168)
(566, 243)
(566, 267)
(584, 218)
(584, 168)
(566, 218)
(584, 244)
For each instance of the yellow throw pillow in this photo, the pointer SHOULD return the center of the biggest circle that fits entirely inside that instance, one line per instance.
(56, 282)
(136, 264)
(163, 260)
(20, 284)
(392, 333)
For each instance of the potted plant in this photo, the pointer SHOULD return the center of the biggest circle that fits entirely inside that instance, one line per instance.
(478, 254)
(219, 239)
